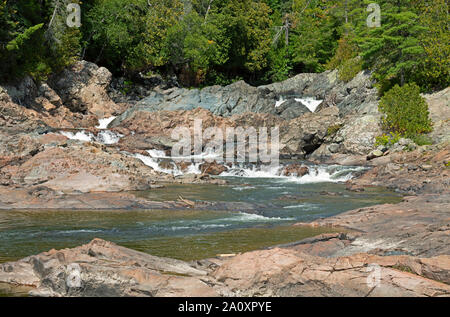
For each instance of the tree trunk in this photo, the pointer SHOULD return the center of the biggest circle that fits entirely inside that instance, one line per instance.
(286, 29)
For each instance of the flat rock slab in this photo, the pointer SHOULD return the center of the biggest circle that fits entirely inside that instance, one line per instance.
(43, 198)
(287, 272)
(419, 226)
(102, 268)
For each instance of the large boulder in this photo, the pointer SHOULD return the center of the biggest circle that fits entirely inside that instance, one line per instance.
(355, 135)
(83, 88)
(297, 170)
(212, 168)
(102, 268)
(359, 133)
(23, 92)
(287, 272)
(302, 136)
(70, 166)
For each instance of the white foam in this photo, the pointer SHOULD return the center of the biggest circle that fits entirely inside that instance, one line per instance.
(81, 136)
(108, 137)
(241, 188)
(263, 171)
(208, 154)
(194, 169)
(310, 103)
(157, 153)
(103, 123)
(78, 231)
(104, 137)
(245, 217)
(154, 164)
(317, 174)
(303, 206)
(280, 102)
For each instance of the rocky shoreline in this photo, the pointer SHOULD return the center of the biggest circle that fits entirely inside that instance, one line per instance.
(40, 168)
(406, 245)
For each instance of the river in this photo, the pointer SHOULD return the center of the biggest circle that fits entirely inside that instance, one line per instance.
(276, 203)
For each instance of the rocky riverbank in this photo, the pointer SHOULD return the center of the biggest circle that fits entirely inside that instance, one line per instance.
(370, 258)
(45, 164)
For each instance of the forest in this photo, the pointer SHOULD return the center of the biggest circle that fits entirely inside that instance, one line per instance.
(207, 42)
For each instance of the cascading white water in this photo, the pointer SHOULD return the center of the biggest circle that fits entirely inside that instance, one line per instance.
(108, 137)
(81, 136)
(253, 171)
(104, 123)
(104, 136)
(317, 174)
(154, 164)
(280, 102)
(310, 103)
(156, 156)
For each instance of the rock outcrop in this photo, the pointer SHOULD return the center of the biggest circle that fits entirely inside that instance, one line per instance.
(301, 136)
(439, 107)
(83, 89)
(357, 96)
(102, 268)
(417, 172)
(82, 167)
(286, 272)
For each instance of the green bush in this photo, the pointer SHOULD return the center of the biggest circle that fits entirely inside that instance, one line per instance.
(350, 68)
(405, 111)
(388, 139)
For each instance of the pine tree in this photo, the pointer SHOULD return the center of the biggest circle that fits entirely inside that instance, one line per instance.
(393, 51)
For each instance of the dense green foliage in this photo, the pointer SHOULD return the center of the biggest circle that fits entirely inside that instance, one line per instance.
(207, 42)
(405, 111)
(29, 44)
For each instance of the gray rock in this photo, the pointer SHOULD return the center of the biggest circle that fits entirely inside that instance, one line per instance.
(334, 148)
(24, 92)
(304, 135)
(357, 96)
(83, 88)
(374, 154)
(359, 133)
(439, 107)
(404, 142)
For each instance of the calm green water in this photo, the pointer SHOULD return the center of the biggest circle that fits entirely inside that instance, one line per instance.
(190, 234)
